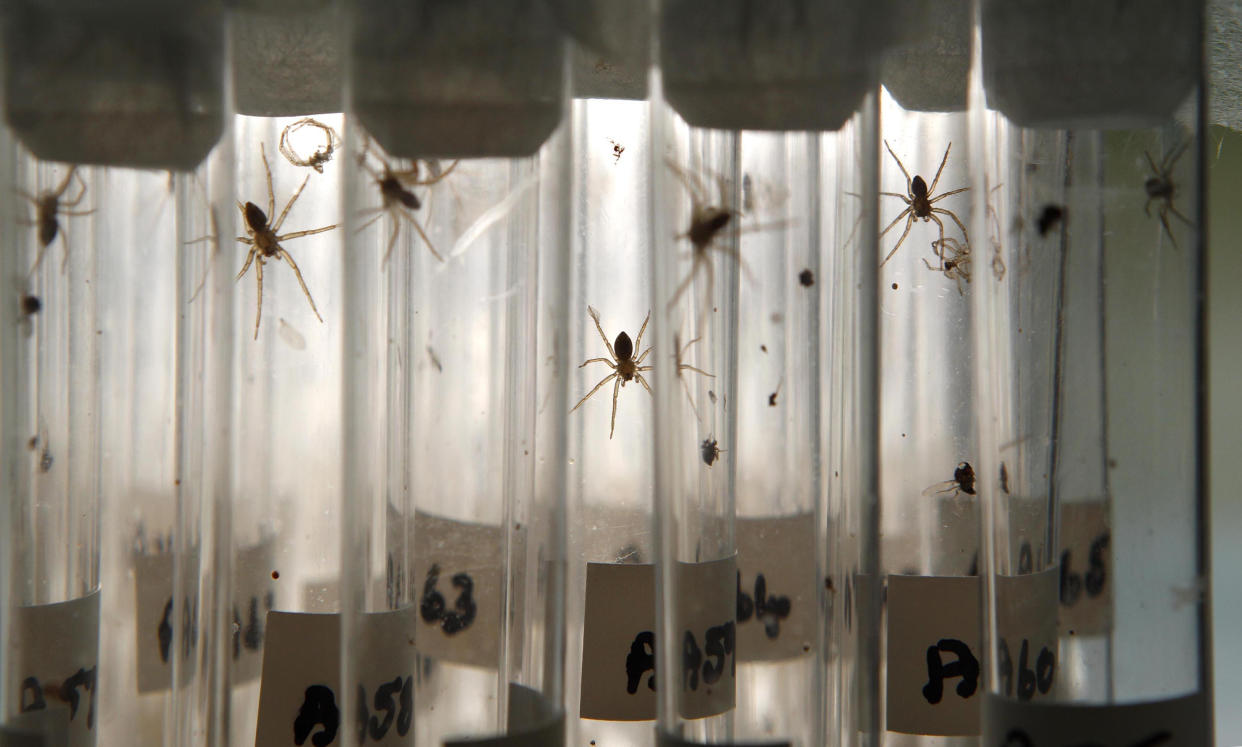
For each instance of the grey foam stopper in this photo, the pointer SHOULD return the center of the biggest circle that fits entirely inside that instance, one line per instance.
(612, 50)
(126, 83)
(462, 79)
(287, 62)
(1100, 64)
(778, 65)
(1224, 54)
(927, 68)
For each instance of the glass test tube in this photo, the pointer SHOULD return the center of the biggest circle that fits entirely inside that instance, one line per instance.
(931, 263)
(457, 285)
(1092, 375)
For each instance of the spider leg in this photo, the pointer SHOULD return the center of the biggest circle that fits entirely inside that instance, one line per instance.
(932, 189)
(616, 390)
(941, 243)
(642, 357)
(271, 195)
(64, 257)
(296, 194)
(1164, 221)
(909, 224)
(1147, 207)
(698, 257)
(434, 179)
(280, 252)
(1178, 213)
(894, 194)
(951, 214)
(899, 165)
(595, 360)
(38, 259)
(73, 174)
(418, 227)
(64, 183)
(695, 187)
(688, 367)
(602, 382)
(595, 316)
(378, 215)
(1172, 156)
(27, 196)
(78, 212)
(643, 381)
(940, 197)
(902, 214)
(638, 341)
(258, 310)
(686, 388)
(1155, 170)
(711, 285)
(249, 258)
(736, 255)
(299, 234)
(392, 241)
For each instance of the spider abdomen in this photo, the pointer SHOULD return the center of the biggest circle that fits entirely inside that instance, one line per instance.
(623, 347)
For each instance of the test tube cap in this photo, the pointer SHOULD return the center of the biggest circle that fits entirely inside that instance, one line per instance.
(927, 68)
(286, 62)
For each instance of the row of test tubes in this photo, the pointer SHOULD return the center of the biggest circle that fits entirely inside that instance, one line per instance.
(804, 373)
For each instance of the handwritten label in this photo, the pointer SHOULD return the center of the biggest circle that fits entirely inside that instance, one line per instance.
(1085, 560)
(619, 640)
(934, 655)
(455, 586)
(1027, 634)
(777, 602)
(153, 602)
(54, 677)
(1177, 722)
(300, 696)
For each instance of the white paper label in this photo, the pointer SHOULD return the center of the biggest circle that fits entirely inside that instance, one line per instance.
(153, 622)
(55, 669)
(456, 588)
(618, 642)
(1027, 649)
(300, 701)
(1085, 561)
(1177, 722)
(777, 595)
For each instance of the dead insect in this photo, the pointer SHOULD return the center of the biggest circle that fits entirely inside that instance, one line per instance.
(772, 396)
(31, 305)
(1004, 479)
(710, 451)
(625, 367)
(957, 265)
(435, 360)
(683, 366)
(617, 150)
(1160, 186)
(919, 200)
(706, 223)
(963, 482)
(1048, 218)
(48, 206)
(316, 160)
(264, 243)
(397, 200)
(806, 278)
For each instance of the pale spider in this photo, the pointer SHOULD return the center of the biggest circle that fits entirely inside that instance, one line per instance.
(49, 205)
(397, 200)
(1160, 186)
(956, 266)
(264, 243)
(625, 367)
(316, 160)
(919, 201)
(681, 354)
(706, 223)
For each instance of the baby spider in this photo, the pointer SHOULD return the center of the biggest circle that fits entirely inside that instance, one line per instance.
(49, 205)
(316, 160)
(624, 366)
(681, 355)
(919, 201)
(265, 244)
(1160, 186)
(706, 223)
(397, 200)
(957, 264)
(963, 482)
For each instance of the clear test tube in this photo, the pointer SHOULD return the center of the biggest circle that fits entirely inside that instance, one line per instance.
(89, 375)
(1091, 375)
(931, 262)
(456, 285)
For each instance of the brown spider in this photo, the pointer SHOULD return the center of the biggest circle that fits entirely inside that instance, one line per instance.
(681, 354)
(264, 243)
(919, 201)
(625, 367)
(1160, 186)
(49, 205)
(316, 160)
(706, 223)
(397, 200)
(956, 266)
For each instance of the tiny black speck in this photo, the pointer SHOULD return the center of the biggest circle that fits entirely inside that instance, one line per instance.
(807, 278)
(1048, 218)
